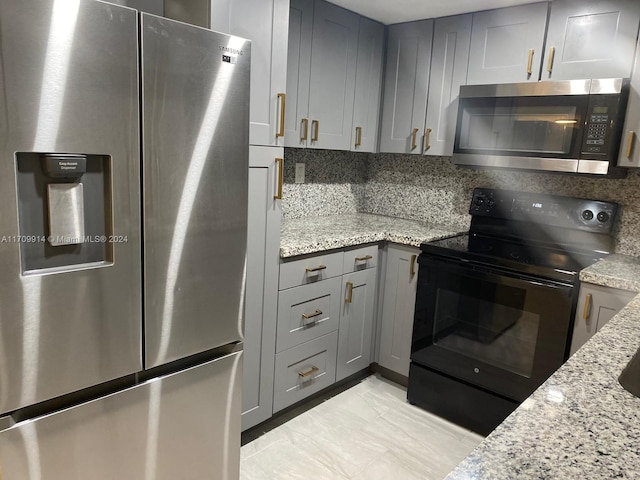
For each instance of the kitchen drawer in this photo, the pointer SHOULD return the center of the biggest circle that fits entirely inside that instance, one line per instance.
(310, 269)
(304, 370)
(307, 312)
(360, 259)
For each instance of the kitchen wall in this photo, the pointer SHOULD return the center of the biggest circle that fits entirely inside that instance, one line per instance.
(431, 189)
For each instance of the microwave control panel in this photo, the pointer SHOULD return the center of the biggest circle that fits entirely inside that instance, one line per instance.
(602, 130)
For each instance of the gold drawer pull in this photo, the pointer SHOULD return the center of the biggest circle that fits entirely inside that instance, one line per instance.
(316, 269)
(530, 62)
(281, 97)
(630, 143)
(552, 53)
(310, 371)
(315, 130)
(349, 292)
(304, 129)
(412, 262)
(586, 313)
(413, 138)
(363, 259)
(307, 316)
(280, 163)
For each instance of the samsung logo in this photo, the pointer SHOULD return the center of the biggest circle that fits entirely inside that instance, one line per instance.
(230, 50)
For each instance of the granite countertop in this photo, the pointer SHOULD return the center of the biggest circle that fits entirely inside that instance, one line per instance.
(580, 423)
(314, 234)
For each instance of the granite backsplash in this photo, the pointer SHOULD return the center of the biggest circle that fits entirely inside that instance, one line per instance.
(432, 189)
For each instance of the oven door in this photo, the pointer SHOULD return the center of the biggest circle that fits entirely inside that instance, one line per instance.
(499, 330)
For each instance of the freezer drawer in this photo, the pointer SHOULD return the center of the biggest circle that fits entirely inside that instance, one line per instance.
(307, 312)
(305, 369)
(181, 426)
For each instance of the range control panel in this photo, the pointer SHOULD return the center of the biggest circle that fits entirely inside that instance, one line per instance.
(568, 212)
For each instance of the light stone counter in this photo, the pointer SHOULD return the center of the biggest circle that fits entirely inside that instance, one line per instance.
(315, 234)
(580, 423)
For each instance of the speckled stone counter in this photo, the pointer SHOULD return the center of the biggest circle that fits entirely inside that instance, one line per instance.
(314, 234)
(580, 423)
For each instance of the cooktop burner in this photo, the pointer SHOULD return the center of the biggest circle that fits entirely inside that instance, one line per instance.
(539, 234)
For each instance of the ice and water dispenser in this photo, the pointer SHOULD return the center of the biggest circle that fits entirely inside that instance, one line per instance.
(65, 211)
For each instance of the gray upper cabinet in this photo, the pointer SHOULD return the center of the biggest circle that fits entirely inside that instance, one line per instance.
(629, 155)
(506, 44)
(366, 109)
(296, 124)
(406, 86)
(591, 39)
(449, 60)
(323, 68)
(265, 23)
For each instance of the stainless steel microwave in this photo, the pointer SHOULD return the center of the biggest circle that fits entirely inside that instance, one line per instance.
(572, 126)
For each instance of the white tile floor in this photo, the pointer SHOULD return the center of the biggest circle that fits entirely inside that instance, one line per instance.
(367, 432)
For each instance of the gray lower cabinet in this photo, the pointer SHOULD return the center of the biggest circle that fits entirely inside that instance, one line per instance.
(304, 370)
(321, 75)
(629, 155)
(398, 303)
(596, 306)
(356, 322)
(307, 312)
(406, 86)
(506, 44)
(449, 60)
(591, 39)
(263, 249)
(368, 90)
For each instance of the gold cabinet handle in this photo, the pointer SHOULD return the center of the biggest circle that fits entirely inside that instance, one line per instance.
(315, 129)
(427, 136)
(358, 136)
(586, 313)
(413, 138)
(316, 269)
(349, 292)
(530, 62)
(307, 316)
(305, 373)
(281, 97)
(280, 162)
(304, 129)
(362, 259)
(552, 53)
(630, 137)
(412, 270)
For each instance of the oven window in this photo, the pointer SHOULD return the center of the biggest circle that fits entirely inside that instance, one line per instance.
(488, 322)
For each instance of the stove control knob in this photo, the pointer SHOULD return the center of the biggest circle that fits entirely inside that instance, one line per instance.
(587, 215)
(479, 201)
(603, 217)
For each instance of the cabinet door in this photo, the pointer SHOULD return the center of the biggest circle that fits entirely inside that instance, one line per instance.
(263, 249)
(596, 306)
(449, 60)
(265, 23)
(334, 52)
(406, 85)
(398, 306)
(296, 119)
(356, 322)
(629, 155)
(366, 109)
(506, 44)
(591, 39)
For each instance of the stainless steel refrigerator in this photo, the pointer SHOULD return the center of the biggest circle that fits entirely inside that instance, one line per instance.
(123, 209)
